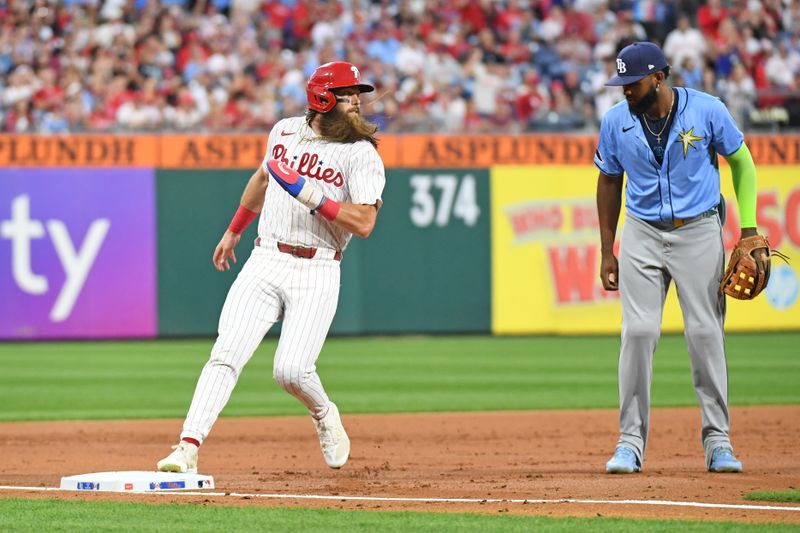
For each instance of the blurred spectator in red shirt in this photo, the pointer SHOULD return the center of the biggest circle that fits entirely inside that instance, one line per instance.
(710, 16)
(509, 17)
(530, 99)
(474, 14)
(50, 95)
(578, 23)
(514, 49)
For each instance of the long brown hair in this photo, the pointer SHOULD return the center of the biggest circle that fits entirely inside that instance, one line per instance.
(337, 126)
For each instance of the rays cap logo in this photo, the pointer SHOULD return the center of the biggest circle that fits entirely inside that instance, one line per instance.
(636, 61)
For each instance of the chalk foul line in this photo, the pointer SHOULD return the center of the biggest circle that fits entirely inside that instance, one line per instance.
(277, 496)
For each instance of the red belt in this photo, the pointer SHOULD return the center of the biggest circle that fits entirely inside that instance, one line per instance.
(301, 251)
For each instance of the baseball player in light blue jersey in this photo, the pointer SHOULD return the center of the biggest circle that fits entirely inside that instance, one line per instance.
(666, 141)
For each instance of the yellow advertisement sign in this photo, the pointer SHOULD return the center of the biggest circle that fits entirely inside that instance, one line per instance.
(546, 253)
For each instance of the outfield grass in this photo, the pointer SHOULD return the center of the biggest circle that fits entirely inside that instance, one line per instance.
(55, 515)
(155, 379)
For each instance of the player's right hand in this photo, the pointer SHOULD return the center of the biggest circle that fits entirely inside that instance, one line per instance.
(609, 272)
(225, 251)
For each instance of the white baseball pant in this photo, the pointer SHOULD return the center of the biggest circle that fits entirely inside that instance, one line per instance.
(272, 285)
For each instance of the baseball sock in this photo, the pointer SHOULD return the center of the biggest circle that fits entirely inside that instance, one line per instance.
(190, 440)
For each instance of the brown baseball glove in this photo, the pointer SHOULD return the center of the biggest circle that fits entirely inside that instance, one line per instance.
(742, 279)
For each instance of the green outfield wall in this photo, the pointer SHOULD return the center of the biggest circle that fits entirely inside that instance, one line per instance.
(193, 209)
(425, 268)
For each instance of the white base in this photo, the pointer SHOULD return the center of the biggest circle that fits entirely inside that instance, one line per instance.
(134, 481)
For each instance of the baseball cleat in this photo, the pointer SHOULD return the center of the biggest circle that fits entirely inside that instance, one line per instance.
(723, 460)
(182, 460)
(624, 461)
(332, 438)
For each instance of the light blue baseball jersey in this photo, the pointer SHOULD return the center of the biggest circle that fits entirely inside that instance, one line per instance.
(687, 182)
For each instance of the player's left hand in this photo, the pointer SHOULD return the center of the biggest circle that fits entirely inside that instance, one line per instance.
(225, 251)
(761, 255)
(295, 184)
(748, 269)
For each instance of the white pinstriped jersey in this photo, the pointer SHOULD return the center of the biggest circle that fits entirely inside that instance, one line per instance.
(344, 172)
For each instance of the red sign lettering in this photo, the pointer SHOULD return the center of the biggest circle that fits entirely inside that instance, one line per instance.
(310, 166)
(793, 217)
(584, 217)
(537, 217)
(574, 271)
(769, 224)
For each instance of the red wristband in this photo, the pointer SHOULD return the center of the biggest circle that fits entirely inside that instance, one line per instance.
(329, 208)
(242, 219)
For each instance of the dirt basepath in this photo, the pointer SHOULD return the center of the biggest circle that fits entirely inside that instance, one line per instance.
(504, 455)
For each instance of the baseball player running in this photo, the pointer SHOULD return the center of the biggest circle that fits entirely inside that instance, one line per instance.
(320, 182)
(666, 140)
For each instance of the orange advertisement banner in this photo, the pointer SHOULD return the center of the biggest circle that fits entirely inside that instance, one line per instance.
(79, 150)
(484, 151)
(398, 151)
(477, 151)
(212, 151)
(235, 151)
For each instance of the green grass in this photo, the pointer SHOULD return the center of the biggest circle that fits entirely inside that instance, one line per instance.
(153, 379)
(59, 515)
(775, 496)
(156, 379)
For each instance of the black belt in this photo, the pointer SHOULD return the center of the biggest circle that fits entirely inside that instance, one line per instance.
(678, 222)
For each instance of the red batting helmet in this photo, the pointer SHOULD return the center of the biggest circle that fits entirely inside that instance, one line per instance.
(334, 75)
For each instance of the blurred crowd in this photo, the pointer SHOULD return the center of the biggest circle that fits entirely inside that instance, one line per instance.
(437, 65)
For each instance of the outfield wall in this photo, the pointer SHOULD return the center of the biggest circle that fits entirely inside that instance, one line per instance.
(111, 236)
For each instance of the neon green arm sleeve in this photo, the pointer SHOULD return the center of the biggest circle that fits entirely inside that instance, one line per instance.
(744, 183)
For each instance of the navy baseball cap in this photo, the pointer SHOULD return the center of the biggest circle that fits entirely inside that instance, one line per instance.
(636, 61)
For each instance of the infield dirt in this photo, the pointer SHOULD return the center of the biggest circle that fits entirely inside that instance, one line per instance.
(500, 455)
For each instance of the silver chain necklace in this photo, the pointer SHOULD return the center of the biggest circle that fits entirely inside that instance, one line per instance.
(666, 121)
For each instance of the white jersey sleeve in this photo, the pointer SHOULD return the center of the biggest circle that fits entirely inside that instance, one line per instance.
(366, 176)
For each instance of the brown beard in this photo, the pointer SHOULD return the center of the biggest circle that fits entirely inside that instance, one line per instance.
(348, 128)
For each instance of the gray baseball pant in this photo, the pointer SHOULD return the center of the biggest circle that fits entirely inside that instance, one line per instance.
(692, 256)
